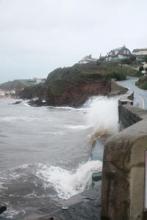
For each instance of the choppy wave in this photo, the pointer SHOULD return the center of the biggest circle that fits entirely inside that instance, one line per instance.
(68, 183)
(77, 127)
(11, 213)
(18, 118)
(66, 108)
(27, 182)
(102, 115)
(26, 103)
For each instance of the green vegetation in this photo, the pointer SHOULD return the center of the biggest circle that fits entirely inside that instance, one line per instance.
(103, 70)
(16, 84)
(145, 59)
(69, 78)
(30, 92)
(142, 82)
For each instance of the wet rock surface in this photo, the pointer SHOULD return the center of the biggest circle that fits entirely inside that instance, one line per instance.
(3, 208)
(85, 206)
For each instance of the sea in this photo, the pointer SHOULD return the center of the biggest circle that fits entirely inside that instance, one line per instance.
(48, 154)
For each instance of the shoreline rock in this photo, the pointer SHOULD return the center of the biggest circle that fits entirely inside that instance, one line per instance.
(3, 208)
(84, 206)
(76, 98)
(72, 86)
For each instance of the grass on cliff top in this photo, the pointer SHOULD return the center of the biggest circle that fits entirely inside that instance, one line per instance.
(62, 78)
(142, 82)
(69, 78)
(90, 70)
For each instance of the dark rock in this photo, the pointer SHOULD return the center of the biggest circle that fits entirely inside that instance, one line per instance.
(3, 208)
(37, 103)
(84, 206)
(96, 176)
(72, 86)
(17, 102)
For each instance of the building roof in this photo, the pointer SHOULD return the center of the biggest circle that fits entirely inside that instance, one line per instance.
(119, 51)
(87, 59)
(140, 52)
(141, 49)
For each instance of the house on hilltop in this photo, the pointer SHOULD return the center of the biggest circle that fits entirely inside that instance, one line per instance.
(118, 54)
(2, 93)
(87, 59)
(140, 54)
(38, 80)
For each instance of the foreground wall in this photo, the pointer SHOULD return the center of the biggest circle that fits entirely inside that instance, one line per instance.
(123, 186)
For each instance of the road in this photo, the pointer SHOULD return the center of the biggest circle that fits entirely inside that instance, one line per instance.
(140, 96)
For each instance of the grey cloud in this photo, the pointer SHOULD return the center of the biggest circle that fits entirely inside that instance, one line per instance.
(37, 36)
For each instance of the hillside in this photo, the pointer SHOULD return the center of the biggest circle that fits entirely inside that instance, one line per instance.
(103, 70)
(16, 84)
(73, 85)
(142, 82)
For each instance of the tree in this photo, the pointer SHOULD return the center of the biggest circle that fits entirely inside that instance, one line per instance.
(145, 58)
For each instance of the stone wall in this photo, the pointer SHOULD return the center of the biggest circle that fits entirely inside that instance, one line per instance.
(129, 115)
(123, 180)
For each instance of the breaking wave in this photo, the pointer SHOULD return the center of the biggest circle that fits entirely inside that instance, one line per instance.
(44, 177)
(17, 118)
(68, 183)
(102, 115)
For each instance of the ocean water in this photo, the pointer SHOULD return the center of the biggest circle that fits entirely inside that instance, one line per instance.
(47, 154)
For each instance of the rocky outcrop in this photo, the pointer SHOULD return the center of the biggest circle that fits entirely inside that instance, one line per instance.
(76, 95)
(3, 208)
(72, 86)
(85, 206)
(123, 186)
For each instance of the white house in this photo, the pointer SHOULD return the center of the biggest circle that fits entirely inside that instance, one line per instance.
(140, 54)
(121, 53)
(88, 59)
(2, 93)
(38, 80)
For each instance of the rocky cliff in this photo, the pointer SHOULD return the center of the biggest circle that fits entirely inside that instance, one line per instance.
(76, 95)
(72, 86)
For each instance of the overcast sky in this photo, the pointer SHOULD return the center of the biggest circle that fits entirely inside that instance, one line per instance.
(37, 36)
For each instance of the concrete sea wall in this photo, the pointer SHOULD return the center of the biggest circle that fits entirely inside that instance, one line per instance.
(129, 115)
(123, 180)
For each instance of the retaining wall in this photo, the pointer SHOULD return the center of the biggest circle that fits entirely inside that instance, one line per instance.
(129, 115)
(123, 178)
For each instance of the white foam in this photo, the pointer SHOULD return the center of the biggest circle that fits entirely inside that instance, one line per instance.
(18, 118)
(67, 108)
(68, 183)
(62, 107)
(77, 127)
(12, 213)
(102, 114)
(54, 132)
(26, 103)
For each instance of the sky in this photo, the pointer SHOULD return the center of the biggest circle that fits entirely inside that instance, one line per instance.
(37, 36)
